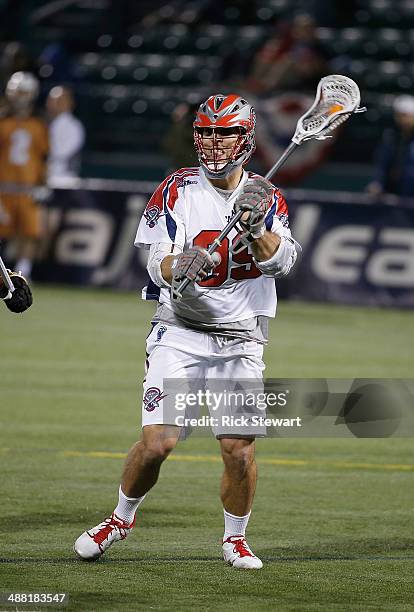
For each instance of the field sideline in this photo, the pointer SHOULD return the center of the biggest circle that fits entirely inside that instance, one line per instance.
(332, 519)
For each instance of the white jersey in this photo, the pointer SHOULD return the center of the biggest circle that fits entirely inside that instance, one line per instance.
(186, 210)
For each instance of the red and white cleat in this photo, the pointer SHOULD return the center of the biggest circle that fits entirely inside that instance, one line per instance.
(93, 543)
(238, 554)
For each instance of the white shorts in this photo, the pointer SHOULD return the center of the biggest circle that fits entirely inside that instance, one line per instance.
(182, 363)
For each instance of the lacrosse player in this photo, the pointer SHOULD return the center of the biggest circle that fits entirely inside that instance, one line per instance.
(217, 328)
(23, 149)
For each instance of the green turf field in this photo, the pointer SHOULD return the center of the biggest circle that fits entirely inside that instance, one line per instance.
(333, 518)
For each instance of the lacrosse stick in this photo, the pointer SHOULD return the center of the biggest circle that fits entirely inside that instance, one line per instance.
(5, 276)
(337, 98)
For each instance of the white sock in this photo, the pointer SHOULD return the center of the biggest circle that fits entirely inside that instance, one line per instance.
(234, 525)
(24, 266)
(127, 506)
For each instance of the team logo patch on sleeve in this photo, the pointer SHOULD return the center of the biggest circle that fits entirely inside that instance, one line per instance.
(152, 398)
(284, 219)
(152, 215)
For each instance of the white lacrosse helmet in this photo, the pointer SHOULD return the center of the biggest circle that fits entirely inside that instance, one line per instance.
(219, 114)
(22, 90)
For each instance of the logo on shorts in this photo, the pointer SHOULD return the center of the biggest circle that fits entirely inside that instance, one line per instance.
(152, 215)
(160, 332)
(152, 398)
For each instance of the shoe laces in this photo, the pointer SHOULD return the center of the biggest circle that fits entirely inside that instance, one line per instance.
(240, 546)
(107, 527)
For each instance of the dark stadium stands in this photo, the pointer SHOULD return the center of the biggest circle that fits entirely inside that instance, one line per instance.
(129, 76)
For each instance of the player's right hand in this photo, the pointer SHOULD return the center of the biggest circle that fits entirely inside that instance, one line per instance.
(195, 264)
(21, 299)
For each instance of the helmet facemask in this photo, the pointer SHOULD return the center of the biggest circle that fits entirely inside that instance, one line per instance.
(220, 150)
(224, 134)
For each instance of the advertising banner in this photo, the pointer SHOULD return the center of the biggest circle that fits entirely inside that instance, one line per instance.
(352, 252)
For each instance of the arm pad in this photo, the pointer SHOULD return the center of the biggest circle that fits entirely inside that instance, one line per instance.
(157, 252)
(281, 262)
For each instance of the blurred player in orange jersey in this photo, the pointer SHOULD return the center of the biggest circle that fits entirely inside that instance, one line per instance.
(23, 151)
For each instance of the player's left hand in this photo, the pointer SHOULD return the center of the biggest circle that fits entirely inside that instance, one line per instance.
(254, 200)
(21, 299)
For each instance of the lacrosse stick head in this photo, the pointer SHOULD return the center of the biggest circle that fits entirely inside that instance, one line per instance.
(337, 98)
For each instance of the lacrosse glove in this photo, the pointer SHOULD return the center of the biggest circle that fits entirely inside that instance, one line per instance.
(254, 201)
(194, 264)
(21, 299)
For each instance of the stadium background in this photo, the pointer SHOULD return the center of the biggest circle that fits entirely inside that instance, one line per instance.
(341, 510)
(138, 71)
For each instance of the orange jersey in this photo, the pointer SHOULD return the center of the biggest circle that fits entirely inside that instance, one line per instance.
(23, 149)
